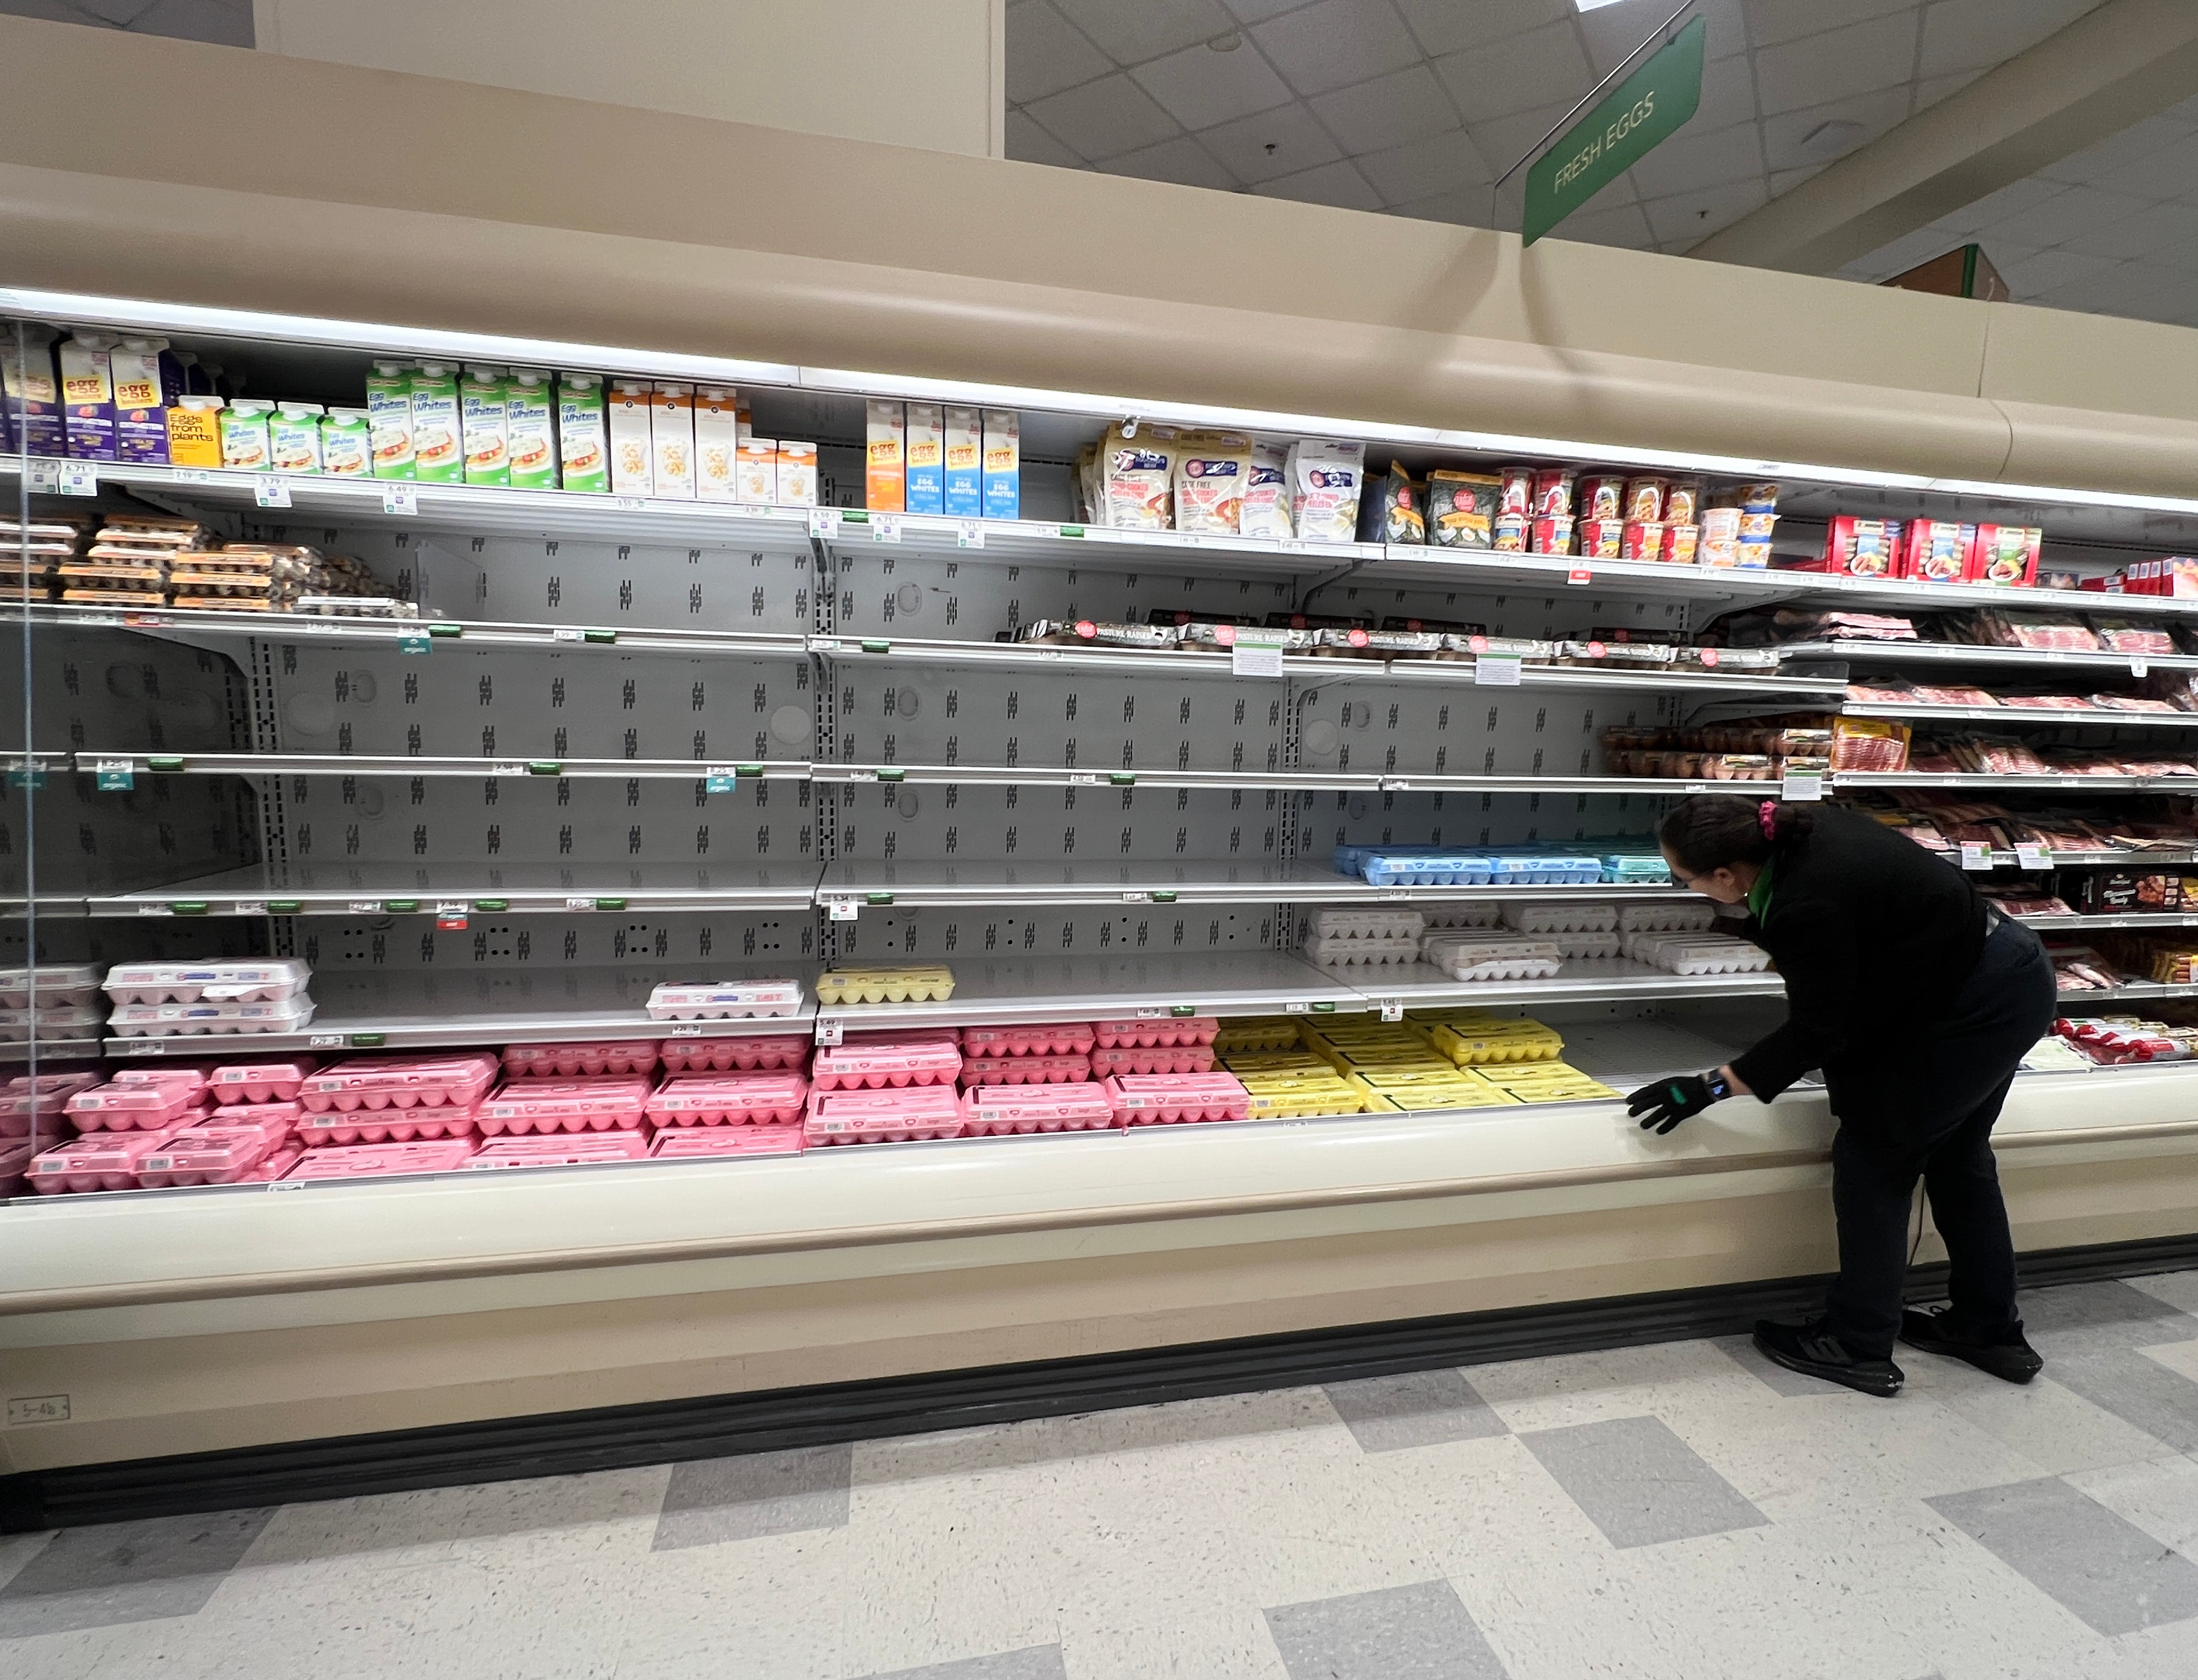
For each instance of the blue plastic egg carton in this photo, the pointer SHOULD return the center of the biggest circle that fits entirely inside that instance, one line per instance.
(1544, 868)
(1634, 869)
(1401, 866)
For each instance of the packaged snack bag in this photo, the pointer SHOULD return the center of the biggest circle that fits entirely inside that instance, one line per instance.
(1211, 471)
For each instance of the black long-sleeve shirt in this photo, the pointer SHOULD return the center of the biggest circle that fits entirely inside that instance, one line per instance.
(1874, 937)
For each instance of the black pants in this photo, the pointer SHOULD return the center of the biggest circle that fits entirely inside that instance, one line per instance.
(1927, 1110)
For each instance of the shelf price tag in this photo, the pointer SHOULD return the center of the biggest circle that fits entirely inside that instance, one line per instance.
(1393, 1009)
(1252, 655)
(829, 1031)
(414, 642)
(2138, 667)
(824, 522)
(399, 498)
(1580, 574)
(270, 490)
(80, 478)
(2033, 856)
(630, 504)
(719, 779)
(885, 527)
(1803, 784)
(969, 533)
(1496, 672)
(113, 776)
(842, 909)
(1975, 855)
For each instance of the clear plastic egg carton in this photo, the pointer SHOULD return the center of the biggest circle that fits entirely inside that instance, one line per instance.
(856, 1064)
(903, 983)
(1058, 1037)
(1176, 1099)
(398, 1082)
(1667, 916)
(599, 1104)
(730, 1099)
(587, 1150)
(1026, 1070)
(382, 1160)
(259, 1081)
(387, 1125)
(999, 1111)
(1446, 917)
(1491, 956)
(1347, 953)
(1559, 916)
(715, 1000)
(903, 1116)
(762, 1053)
(1692, 954)
(1346, 924)
(706, 1142)
(57, 985)
(98, 1160)
(1164, 1032)
(137, 1108)
(171, 1020)
(245, 980)
(74, 1021)
(1576, 947)
(571, 1062)
(213, 1153)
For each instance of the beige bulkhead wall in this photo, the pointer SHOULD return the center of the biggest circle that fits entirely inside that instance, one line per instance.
(461, 207)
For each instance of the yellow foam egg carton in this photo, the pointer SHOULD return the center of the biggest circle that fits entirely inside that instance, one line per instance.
(1474, 1047)
(1550, 1082)
(1300, 1099)
(1386, 1058)
(1255, 1033)
(1246, 1062)
(1422, 1099)
(910, 983)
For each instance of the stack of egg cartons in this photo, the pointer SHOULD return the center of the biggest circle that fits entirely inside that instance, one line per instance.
(743, 1096)
(1522, 1058)
(1696, 954)
(889, 1087)
(120, 1124)
(1031, 1076)
(220, 997)
(32, 554)
(32, 1118)
(1580, 930)
(52, 1000)
(247, 1137)
(567, 1105)
(1158, 1070)
(1353, 938)
(128, 562)
(1283, 1077)
(377, 1115)
(1494, 954)
(1395, 1068)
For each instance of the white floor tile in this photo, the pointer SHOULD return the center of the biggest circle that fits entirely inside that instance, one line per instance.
(1233, 1645)
(2055, 1429)
(2160, 1495)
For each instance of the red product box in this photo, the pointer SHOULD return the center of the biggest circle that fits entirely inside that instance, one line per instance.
(1861, 548)
(1939, 551)
(2007, 555)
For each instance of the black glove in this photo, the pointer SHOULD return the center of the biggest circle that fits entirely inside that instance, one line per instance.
(1659, 1108)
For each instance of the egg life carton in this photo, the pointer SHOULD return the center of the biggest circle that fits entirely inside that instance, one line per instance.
(55, 985)
(1425, 869)
(1667, 916)
(1544, 868)
(1151, 1058)
(907, 1115)
(252, 980)
(587, 1150)
(1026, 1070)
(387, 1125)
(1560, 916)
(571, 1062)
(992, 1111)
(1344, 924)
(1147, 1031)
(1346, 953)
(700, 1142)
(1037, 1038)
(730, 1099)
(1176, 1099)
(770, 1051)
(1695, 953)
(855, 1065)
(1491, 956)
(913, 983)
(166, 1020)
(598, 1104)
(398, 1082)
(715, 1000)
(74, 1020)
(382, 1161)
(258, 1081)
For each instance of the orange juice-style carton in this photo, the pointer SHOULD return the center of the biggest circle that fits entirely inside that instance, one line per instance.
(927, 458)
(672, 438)
(797, 473)
(195, 431)
(629, 438)
(965, 463)
(1003, 471)
(717, 441)
(755, 472)
(30, 393)
(885, 477)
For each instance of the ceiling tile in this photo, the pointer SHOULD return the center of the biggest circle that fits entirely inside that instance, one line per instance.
(2008, 201)
(1903, 254)
(1543, 67)
(1689, 161)
(1047, 55)
(1728, 93)
(1258, 11)
(2030, 276)
(1685, 220)
(1772, 22)
(1876, 113)
(1613, 32)
(1335, 184)
(1447, 163)
(1029, 144)
(2157, 228)
(1182, 160)
(1449, 25)
(1623, 226)
(2181, 258)
(119, 12)
(225, 23)
(1386, 112)
(1335, 43)
(1836, 64)
(1783, 181)
(1104, 118)
(1462, 207)
(1298, 140)
(1503, 141)
(2065, 217)
(2166, 172)
(1200, 87)
(1931, 89)
(2123, 289)
(1134, 31)
(1977, 34)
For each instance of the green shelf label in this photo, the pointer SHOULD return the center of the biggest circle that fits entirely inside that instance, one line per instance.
(610, 904)
(544, 767)
(446, 630)
(878, 898)
(400, 905)
(855, 516)
(605, 637)
(367, 1041)
(1163, 898)
(1323, 1008)
(1123, 778)
(164, 763)
(1072, 530)
(875, 644)
(285, 906)
(892, 775)
(748, 769)
(186, 907)
(1180, 1009)
(492, 904)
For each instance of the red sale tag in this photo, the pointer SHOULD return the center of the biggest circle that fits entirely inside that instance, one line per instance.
(1579, 574)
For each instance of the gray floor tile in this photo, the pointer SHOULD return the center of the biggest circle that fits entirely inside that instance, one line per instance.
(1420, 1632)
(1639, 1483)
(1036, 1662)
(1744, 1353)
(1416, 1409)
(2086, 1317)
(2142, 1393)
(126, 1572)
(2067, 1545)
(715, 1499)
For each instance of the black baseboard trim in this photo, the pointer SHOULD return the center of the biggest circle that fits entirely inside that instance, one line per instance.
(622, 1437)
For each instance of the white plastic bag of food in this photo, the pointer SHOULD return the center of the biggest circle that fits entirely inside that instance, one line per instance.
(1266, 510)
(1136, 478)
(1211, 469)
(1324, 480)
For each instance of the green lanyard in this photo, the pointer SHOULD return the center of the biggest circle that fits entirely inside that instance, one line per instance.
(1759, 896)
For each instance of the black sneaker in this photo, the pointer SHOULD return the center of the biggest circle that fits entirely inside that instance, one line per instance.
(1814, 1351)
(2011, 1358)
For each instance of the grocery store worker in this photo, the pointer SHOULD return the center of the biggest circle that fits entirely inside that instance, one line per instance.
(1917, 1000)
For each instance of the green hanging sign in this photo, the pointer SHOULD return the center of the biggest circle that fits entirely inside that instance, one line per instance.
(1641, 113)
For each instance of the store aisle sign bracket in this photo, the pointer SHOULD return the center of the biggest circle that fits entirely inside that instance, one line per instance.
(1645, 109)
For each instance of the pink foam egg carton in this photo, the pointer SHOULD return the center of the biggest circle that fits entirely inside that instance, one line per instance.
(382, 1160)
(873, 1061)
(212, 1154)
(730, 1099)
(1026, 1070)
(1170, 1098)
(275, 1166)
(259, 1081)
(599, 1104)
(883, 1116)
(1059, 1037)
(1156, 1032)
(570, 1061)
(694, 1142)
(21, 1102)
(98, 1160)
(282, 1117)
(163, 1072)
(734, 1056)
(585, 1150)
(1169, 1059)
(993, 1110)
(387, 1125)
(137, 1107)
(398, 1082)
(15, 1162)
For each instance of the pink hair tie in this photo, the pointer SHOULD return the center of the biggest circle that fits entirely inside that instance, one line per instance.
(1767, 815)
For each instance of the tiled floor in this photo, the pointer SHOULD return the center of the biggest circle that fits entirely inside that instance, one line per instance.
(1683, 1511)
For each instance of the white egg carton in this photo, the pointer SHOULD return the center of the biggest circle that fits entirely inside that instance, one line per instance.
(1558, 916)
(248, 981)
(1445, 916)
(710, 1000)
(73, 1021)
(1367, 924)
(163, 1020)
(1491, 956)
(1346, 953)
(59, 985)
(1577, 947)
(1692, 954)
(1667, 916)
